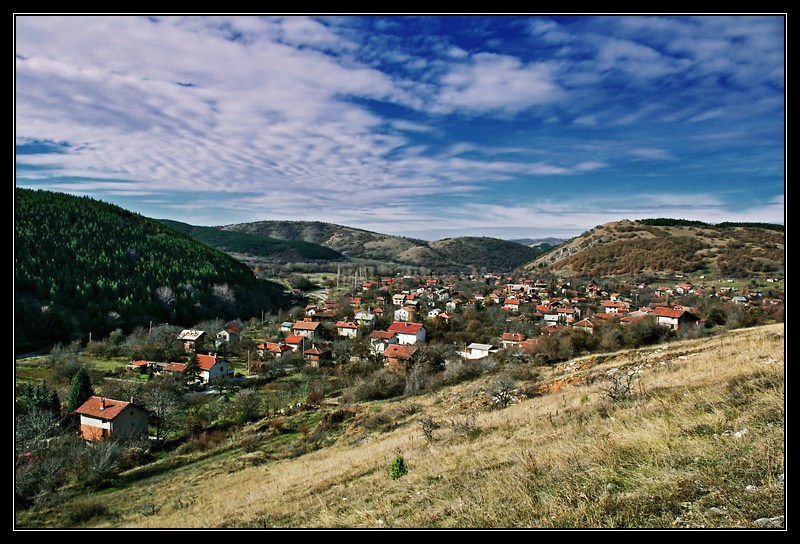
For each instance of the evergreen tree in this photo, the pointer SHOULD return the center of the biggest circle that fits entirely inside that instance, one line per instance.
(192, 371)
(40, 398)
(81, 390)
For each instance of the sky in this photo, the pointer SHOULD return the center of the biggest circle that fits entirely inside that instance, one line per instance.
(525, 126)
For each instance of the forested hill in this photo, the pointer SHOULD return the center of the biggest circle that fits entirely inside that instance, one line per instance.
(271, 249)
(83, 266)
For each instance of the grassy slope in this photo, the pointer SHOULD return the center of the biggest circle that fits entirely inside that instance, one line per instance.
(629, 247)
(668, 457)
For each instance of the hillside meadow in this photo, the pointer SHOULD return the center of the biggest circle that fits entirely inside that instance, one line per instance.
(688, 434)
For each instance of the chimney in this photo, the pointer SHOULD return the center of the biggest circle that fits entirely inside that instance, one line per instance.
(102, 403)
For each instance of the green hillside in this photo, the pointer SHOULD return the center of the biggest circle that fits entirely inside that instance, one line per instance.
(84, 266)
(234, 242)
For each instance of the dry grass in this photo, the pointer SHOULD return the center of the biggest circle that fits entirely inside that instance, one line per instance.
(699, 443)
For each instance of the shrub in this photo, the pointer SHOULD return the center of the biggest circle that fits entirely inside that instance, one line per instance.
(398, 468)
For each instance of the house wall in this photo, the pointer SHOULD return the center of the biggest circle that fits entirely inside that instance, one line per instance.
(131, 422)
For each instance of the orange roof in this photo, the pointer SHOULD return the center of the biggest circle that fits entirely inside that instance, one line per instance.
(669, 312)
(399, 351)
(102, 408)
(294, 339)
(403, 327)
(175, 367)
(384, 335)
(139, 363)
(306, 325)
(206, 361)
(511, 301)
(346, 325)
(512, 337)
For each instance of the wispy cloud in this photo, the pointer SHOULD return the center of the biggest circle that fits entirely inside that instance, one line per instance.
(388, 122)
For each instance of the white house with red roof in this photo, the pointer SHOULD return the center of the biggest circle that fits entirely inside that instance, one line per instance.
(511, 304)
(380, 340)
(212, 368)
(347, 329)
(306, 328)
(511, 339)
(294, 341)
(274, 350)
(408, 333)
(103, 418)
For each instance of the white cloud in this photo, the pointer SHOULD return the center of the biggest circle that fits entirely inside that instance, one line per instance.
(491, 82)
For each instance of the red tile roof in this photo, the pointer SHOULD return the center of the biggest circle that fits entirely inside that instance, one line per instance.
(102, 408)
(294, 339)
(383, 335)
(139, 363)
(206, 361)
(668, 312)
(346, 325)
(175, 367)
(403, 327)
(306, 325)
(397, 351)
(512, 337)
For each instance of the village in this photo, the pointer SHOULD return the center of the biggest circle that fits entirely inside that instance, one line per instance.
(388, 321)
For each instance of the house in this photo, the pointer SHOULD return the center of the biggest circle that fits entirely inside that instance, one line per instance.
(550, 330)
(477, 351)
(674, 318)
(319, 356)
(446, 317)
(192, 339)
(365, 318)
(322, 316)
(174, 368)
(406, 313)
(511, 339)
(739, 299)
(587, 325)
(397, 357)
(615, 307)
(294, 341)
(104, 418)
(286, 326)
(273, 350)
(306, 328)
(398, 299)
(380, 340)
(348, 329)
(140, 366)
(511, 304)
(408, 333)
(433, 313)
(213, 369)
(229, 333)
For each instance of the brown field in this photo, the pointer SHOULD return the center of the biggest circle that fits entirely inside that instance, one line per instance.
(699, 441)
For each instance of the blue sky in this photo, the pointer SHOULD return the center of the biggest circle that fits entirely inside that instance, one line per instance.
(428, 126)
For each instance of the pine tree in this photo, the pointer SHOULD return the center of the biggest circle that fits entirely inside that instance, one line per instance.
(81, 390)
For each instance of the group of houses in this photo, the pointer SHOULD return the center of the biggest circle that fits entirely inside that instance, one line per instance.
(102, 417)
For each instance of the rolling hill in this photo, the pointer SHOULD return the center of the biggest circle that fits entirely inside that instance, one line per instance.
(84, 266)
(667, 246)
(451, 254)
(243, 243)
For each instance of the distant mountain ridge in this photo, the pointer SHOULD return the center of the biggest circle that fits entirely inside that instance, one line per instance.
(271, 249)
(449, 254)
(658, 246)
